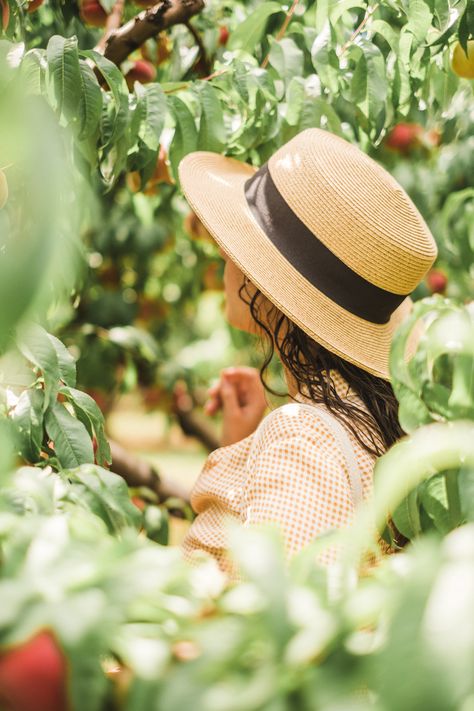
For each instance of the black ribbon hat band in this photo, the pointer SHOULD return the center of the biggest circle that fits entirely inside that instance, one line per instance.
(311, 258)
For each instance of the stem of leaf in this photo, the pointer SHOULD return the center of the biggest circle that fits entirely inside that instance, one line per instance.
(282, 30)
(452, 495)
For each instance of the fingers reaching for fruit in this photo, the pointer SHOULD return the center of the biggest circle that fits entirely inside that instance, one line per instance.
(240, 395)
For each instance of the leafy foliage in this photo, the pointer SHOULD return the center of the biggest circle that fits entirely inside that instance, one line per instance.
(139, 628)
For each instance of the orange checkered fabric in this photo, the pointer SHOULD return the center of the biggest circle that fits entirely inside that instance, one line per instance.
(296, 476)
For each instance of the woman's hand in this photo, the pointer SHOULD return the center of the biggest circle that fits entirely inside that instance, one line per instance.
(241, 396)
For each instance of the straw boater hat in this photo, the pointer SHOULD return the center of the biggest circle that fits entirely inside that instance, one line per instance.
(325, 232)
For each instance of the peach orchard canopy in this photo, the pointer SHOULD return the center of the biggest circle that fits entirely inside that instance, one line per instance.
(325, 232)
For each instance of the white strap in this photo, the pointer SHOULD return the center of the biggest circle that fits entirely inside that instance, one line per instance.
(341, 436)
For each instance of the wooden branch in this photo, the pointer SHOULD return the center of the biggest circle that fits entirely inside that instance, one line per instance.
(123, 41)
(114, 20)
(282, 30)
(138, 472)
(358, 30)
(193, 426)
(203, 60)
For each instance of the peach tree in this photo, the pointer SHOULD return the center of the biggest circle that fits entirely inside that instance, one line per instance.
(139, 85)
(96, 615)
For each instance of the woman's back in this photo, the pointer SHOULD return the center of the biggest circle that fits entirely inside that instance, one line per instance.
(295, 471)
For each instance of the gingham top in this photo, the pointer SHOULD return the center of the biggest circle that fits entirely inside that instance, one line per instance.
(296, 475)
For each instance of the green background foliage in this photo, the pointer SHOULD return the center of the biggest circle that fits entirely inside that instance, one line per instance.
(99, 248)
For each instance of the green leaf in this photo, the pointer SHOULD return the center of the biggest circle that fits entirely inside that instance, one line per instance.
(185, 135)
(295, 95)
(248, 35)
(64, 75)
(419, 21)
(118, 87)
(342, 6)
(72, 444)
(466, 26)
(369, 85)
(387, 32)
(28, 419)
(33, 71)
(406, 516)
(212, 133)
(286, 58)
(66, 363)
(106, 495)
(466, 492)
(402, 93)
(38, 348)
(153, 113)
(412, 412)
(325, 60)
(435, 502)
(90, 105)
(89, 413)
(156, 524)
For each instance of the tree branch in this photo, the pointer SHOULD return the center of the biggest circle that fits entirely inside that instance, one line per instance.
(124, 40)
(137, 472)
(114, 20)
(358, 30)
(203, 60)
(282, 30)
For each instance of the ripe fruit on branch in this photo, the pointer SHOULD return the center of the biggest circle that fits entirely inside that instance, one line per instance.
(404, 137)
(92, 13)
(3, 189)
(142, 71)
(461, 63)
(437, 281)
(5, 13)
(223, 36)
(33, 676)
(34, 5)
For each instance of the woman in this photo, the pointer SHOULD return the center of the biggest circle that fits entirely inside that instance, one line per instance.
(322, 248)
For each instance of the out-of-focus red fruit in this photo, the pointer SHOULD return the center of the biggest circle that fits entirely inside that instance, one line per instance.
(34, 5)
(100, 397)
(161, 173)
(134, 181)
(404, 137)
(92, 13)
(5, 13)
(138, 502)
(33, 676)
(437, 281)
(142, 71)
(223, 36)
(164, 47)
(432, 137)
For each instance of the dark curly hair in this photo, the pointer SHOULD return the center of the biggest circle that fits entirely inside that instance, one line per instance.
(376, 426)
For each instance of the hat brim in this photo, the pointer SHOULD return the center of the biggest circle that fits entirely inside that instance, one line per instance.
(214, 187)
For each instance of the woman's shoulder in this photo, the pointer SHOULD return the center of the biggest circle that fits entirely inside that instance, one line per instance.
(295, 421)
